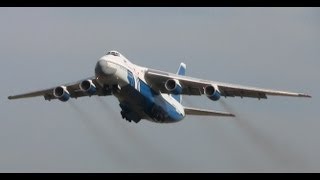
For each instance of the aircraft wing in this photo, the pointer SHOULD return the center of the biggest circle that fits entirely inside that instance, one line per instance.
(194, 86)
(73, 89)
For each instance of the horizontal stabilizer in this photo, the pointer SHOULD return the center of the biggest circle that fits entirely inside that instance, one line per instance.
(204, 112)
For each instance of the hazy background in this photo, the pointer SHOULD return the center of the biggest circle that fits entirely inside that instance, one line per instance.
(265, 47)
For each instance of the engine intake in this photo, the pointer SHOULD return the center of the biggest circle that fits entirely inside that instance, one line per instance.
(61, 93)
(173, 86)
(212, 93)
(88, 87)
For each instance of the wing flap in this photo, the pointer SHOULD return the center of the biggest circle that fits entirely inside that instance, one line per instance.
(205, 112)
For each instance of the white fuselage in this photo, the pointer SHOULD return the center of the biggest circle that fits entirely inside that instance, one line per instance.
(137, 99)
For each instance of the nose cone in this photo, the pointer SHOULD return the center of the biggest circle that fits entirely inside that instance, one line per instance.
(102, 68)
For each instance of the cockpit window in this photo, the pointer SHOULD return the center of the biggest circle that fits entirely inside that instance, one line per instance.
(114, 53)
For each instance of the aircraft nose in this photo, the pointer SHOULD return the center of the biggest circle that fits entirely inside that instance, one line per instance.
(103, 68)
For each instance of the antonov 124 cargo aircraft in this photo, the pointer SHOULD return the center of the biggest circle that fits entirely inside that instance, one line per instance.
(150, 94)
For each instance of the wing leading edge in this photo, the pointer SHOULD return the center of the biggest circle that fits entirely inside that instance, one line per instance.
(194, 86)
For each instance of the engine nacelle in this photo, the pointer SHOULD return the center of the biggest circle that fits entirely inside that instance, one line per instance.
(88, 87)
(212, 93)
(173, 86)
(61, 93)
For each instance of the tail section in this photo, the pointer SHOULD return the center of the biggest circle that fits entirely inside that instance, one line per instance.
(181, 71)
(205, 112)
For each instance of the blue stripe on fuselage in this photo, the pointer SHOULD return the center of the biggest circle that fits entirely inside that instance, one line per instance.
(130, 78)
(172, 112)
(150, 96)
(177, 97)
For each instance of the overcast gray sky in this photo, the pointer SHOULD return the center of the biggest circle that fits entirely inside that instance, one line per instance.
(265, 47)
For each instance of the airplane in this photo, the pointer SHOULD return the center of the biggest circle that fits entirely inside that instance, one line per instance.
(150, 94)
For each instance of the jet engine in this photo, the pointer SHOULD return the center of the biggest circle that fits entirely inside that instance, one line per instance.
(173, 86)
(61, 93)
(212, 93)
(88, 87)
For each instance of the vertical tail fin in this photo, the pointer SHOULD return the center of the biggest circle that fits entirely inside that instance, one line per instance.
(181, 71)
